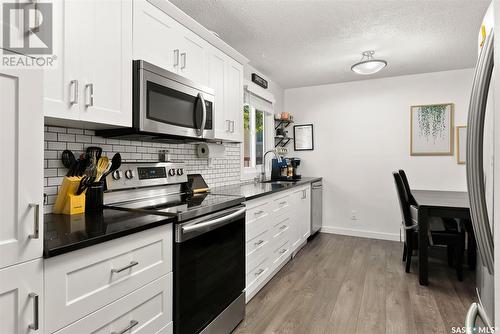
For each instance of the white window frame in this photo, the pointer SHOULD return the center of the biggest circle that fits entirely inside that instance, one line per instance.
(249, 173)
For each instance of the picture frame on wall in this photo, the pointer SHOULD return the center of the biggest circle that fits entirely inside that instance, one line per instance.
(303, 137)
(461, 144)
(432, 129)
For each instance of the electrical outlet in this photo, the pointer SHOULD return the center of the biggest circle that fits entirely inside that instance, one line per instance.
(354, 215)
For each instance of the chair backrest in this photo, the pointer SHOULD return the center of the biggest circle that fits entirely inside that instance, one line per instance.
(404, 205)
(411, 199)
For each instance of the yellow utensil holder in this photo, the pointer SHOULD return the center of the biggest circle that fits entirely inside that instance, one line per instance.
(67, 202)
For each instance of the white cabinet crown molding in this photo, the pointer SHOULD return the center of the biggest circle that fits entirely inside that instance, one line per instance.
(198, 29)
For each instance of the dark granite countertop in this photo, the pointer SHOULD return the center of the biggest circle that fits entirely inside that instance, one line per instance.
(65, 233)
(255, 190)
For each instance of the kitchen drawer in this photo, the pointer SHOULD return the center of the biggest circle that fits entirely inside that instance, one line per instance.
(281, 231)
(280, 254)
(257, 249)
(281, 205)
(257, 274)
(81, 282)
(257, 219)
(146, 310)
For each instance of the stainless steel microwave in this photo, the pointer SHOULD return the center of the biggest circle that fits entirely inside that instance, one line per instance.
(166, 103)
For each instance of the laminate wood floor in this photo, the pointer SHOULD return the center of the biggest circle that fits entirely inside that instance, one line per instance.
(340, 284)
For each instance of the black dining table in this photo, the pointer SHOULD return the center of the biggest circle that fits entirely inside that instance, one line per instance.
(436, 203)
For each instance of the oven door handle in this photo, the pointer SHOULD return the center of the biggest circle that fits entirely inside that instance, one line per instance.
(213, 222)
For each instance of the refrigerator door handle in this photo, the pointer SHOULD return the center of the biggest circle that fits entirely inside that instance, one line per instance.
(474, 161)
(476, 310)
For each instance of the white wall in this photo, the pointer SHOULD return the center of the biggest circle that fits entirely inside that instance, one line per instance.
(361, 134)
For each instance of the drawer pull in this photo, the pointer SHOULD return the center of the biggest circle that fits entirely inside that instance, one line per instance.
(259, 272)
(132, 264)
(258, 213)
(283, 203)
(34, 325)
(258, 243)
(283, 227)
(133, 323)
(283, 251)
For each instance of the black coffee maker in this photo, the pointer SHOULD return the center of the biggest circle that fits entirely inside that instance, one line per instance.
(286, 170)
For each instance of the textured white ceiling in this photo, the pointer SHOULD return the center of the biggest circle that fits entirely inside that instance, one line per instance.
(310, 42)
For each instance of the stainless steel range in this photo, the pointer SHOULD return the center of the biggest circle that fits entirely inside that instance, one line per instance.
(209, 245)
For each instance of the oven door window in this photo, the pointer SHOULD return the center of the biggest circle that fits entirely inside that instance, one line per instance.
(170, 106)
(209, 275)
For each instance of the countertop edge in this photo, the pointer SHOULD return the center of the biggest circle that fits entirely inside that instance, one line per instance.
(298, 183)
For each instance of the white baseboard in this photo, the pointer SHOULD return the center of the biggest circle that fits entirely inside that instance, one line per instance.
(360, 233)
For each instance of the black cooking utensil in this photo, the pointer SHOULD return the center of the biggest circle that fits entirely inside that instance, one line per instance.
(67, 158)
(116, 162)
(94, 151)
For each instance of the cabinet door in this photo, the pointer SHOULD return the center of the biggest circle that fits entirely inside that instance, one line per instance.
(155, 36)
(296, 217)
(107, 71)
(216, 81)
(62, 83)
(305, 214)
(234, 99)
(21, 134)
(193, 57)
(21, 298)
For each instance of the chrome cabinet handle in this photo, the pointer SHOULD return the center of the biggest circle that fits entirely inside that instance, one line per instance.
(36, 226)
(176, 57)
(283, 227)
(34, 325)
(259, 272)
(128, 266)
(74, 84)
(474, 156)
(133, 323)
(258, 243)
(228, 122)
(183, 60)
(283, 203)
(232, 130)
(283, 251)
(259, 212)
(89, 88)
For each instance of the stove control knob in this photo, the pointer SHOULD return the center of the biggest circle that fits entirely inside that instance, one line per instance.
(117, 174)
(180, 171)
(171, 172)
(129, 174)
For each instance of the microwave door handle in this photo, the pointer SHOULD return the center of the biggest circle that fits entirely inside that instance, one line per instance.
(204, 117)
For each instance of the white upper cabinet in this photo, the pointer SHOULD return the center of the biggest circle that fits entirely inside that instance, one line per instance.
(92, 81)
(21, 135)
(226, 78)
(155, 36)
(193, 57)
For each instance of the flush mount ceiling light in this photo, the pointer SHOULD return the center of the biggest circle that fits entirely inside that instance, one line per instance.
(368, 65)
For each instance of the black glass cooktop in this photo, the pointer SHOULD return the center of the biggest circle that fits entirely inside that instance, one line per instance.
(181, 206)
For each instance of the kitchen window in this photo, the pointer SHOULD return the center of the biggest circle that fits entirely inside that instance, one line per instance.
(257, 133)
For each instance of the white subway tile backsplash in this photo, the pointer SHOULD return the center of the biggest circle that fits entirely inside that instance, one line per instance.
(218, 173)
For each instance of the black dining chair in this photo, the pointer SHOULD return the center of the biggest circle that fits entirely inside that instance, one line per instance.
(450, 224)
(438, 234)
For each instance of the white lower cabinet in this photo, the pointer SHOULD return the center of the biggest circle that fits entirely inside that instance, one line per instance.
(21, 298)
(81, 282)
(276, 227)
(146, 310)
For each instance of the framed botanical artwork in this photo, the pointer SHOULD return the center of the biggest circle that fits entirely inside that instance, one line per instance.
(461, 144)
(431, 129)
(303, 137)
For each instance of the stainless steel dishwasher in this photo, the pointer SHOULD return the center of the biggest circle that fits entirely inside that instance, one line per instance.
(316, 206)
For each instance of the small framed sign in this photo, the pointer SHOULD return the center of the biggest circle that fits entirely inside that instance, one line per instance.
(303, 137)
(259, 81)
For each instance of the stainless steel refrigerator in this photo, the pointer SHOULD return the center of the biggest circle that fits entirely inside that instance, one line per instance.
(483, 132)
